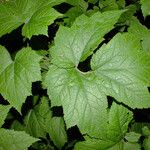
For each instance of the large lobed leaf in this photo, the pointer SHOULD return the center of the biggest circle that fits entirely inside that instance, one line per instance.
(120, 69)
(16, 76)
(36, 15)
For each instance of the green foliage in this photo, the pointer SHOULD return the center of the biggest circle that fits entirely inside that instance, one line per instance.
(92, 76)
(16, 76)
(36, 15)
(145, 7)
(15, 140)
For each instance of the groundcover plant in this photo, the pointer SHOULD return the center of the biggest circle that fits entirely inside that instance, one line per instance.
(74, 74)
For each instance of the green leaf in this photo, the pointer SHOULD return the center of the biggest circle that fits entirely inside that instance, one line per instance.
(35, 121)
(123, 70)
(146, 143)
(15, 140)
(92, 1)
(77, 93)
(145, 7)
(39, 121)
(146, 43)
(72, 14)
(129, 145)
(16, 76)
(111, 136)
(132, 137)
(139, 30)
(119, 69)
(56, 130)
(3, 113)
(107, 5)
(76, 43)
(17, 126)
(36, 15)
(78, 3)
(146, 131)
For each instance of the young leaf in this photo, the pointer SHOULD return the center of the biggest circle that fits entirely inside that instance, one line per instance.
(36, 14)
(139, 30)
(15, 140)
(39, 121)
(74, 44)
(78, 3)
(3, 113)
(16, 76)
(146, 133)
(132, 137)
(111, 136)
(56, 130)
(145, 7)
(35, 121)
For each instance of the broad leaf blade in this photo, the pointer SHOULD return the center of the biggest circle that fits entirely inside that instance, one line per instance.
(36, 14)
(111, 136)
(78, 94)
(145, 7)
(125, 70)
(75, 44)
(17, 77)
(38, 24)
(16, 140)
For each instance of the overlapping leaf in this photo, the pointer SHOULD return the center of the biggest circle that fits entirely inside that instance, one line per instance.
(145, 7)
(16, 76)
(3, 113)
(140, 32)
(36, 15)
(119, 69)
(111, 136)
(76, 91)
(10, 139)
(39, 122)
(125, 70)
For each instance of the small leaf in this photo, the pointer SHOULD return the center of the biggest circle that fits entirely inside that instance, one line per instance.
(56, 130)
(146, 143)
(35, 121)
(17, 76)
(3, 113)
(15, 140)
(145, 7)
(132, 137)
(139, 30)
